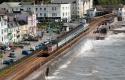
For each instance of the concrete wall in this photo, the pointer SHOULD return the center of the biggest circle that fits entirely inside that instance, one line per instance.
(48, 68)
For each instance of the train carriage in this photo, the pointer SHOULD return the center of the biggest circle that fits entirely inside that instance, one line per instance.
(81, 28)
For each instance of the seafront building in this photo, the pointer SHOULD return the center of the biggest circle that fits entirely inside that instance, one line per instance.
(78, 7)
(91, 13)
(13, 26)
(57, 9)
(121, 14)
(43, 11)
(3, 29)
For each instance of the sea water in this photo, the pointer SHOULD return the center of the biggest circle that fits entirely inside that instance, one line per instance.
(95, 60)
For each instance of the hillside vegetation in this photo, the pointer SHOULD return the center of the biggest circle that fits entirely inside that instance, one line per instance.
(109, 2)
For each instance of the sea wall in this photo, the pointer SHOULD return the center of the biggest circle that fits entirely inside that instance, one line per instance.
(48, 68)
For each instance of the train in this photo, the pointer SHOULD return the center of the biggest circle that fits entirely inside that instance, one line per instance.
(59, 42)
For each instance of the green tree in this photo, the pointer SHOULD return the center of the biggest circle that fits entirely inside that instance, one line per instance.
(1, 56)
(108, 2)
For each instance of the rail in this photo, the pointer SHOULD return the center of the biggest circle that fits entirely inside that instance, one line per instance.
(21, 70)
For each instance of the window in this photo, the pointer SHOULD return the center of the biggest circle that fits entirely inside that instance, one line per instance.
(55, 8)
(52, 8)
(2, 31)
(40, 8)
(36, 15)
(78, 12)
(44, 9)
(2, 38)
(5, 30)
(54, 14)
(78, 7)
(63, 8)
(36, 9)
(44, 14)
(40, 14)
(1, 23)
(63, 14)
(120, 14)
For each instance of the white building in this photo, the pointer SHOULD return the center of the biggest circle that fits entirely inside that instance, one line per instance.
(23, 23)
(3, 29)
(91, 13)
(13, 32)
(121, 14)
(13, 26)
(51, 11)
(78, 7)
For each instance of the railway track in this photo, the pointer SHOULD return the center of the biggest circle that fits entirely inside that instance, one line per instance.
(23, 69)
(16, 67)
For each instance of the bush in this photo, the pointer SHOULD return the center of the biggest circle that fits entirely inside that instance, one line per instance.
(1, 55)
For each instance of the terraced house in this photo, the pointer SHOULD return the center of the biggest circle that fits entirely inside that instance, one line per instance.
(56, 11)
(3, 29)
(13, 26)
(78, 7)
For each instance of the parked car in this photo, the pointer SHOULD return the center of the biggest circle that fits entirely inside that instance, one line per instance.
(32, 49)
(25, 43)
(20, 46)
(46, 42)
(26, 52)
(12, 55)
(8, 48)
(41, 46)
(3, 47)
(30, 38)
(37, 47)
(9, 62)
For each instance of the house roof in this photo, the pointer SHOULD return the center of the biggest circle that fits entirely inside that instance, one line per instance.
(11, 4)
(26, 3)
